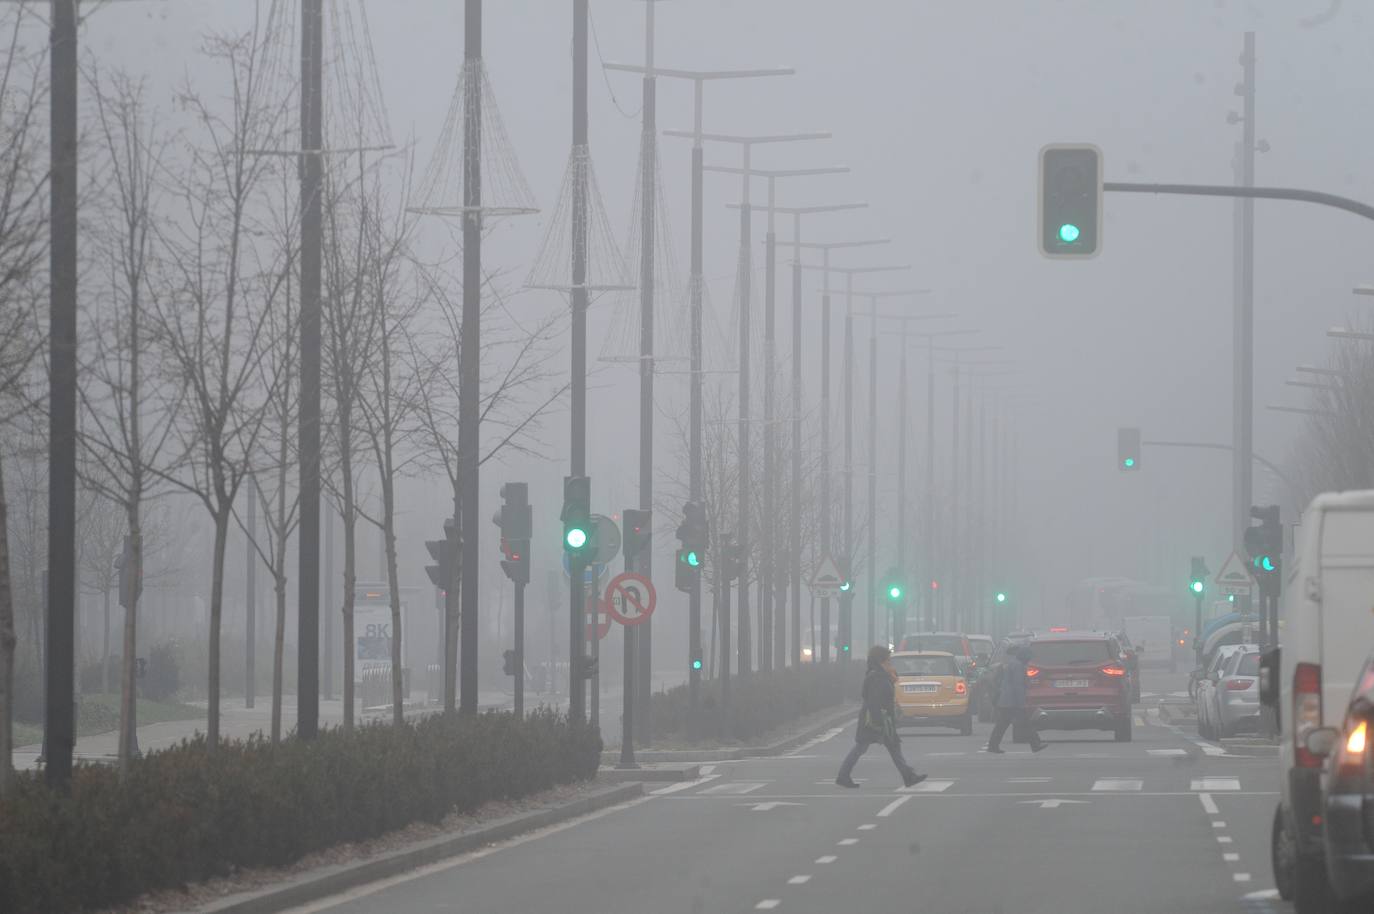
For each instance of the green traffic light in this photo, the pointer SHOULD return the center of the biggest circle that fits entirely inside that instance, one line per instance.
(1265, 563)
(894, 592)
(1197, 586)
(1001, 597)
(576, 538)
(696, 664)
(691, 558)
(1128, 462)
(1068, 233)
(845, 648)
(845, 587)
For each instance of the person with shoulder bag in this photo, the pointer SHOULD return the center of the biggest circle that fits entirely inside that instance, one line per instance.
(878, 720)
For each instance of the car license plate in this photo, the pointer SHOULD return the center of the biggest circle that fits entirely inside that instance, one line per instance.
(920, 687)
(1071, 683)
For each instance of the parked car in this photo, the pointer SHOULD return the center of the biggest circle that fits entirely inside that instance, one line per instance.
(1235, 695)
(1209, 685)
(931, 691)
(1347, 800)
(1327, 629)
(1078, 681)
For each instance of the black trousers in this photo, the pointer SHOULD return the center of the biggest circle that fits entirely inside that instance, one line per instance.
(1019, 721)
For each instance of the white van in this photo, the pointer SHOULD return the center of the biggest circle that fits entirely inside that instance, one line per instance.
(1328, 631)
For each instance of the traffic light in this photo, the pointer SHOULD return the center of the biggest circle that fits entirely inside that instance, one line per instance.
(130, 575)
(696, 663)
(691, 555)
(637, 535)
(731, 562)
(508, 662)
(1264, 546)
(1127, 449)
(579, 532)
(1001, 597)
(846, 586)
(893, 588)
(515, 518)
(1070, 201)
(1197, 578)
(447, 557)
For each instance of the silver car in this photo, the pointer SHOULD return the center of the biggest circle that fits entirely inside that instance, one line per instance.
(1228, 701)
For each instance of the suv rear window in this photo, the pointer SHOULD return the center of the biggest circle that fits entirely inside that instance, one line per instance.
(1070, 653)
(950, 644)
(924, 666)
(1249, 665)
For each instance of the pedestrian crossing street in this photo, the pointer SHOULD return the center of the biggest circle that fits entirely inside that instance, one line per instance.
(1073, 782)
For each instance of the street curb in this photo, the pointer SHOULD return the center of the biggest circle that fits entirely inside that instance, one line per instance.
(673, 773)
(331, 880)
(727, 754)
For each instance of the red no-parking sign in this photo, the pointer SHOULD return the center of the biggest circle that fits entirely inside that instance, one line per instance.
(630, 598)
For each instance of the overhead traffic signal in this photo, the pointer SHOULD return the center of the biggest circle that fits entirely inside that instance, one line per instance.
(637, 535)
(1070, 201)
(1127, 449)
(516, 521)
(1001, 596)
(579, 532)
(1264, 546)
(447, 558)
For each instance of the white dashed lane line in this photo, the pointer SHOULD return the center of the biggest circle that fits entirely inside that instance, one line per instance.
(827, 858)
(848, 842)
(768, 904)
(803, 879)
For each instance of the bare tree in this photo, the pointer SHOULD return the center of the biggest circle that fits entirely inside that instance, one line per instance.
(226, 282)
(23, 245)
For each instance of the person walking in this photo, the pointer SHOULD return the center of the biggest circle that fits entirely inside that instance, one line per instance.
(877, 720)
(1011, 701)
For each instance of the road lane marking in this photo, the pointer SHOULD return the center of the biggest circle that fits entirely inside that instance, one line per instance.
(1218, 824)
(768, 904)
(1216, 783)
(890, 808)
(927, 787)
(867, 827)
(847, 842)
(828, 858)
(769, 805)
(1165, 753)
(372, 888)
(1224, 839)
(1261, 895)
(1230, 857)
(1209, 805)
(813, 743)
(683, 785)
(1029, 780)
(945, 754)
(735, 788)
(1241, 877)
(1053, 803)
(800, 880)
(1122, 784)
(706, 769)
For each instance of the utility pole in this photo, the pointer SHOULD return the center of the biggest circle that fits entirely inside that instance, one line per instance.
(577, 590)
(312, 243)
(1243, 358)
(60, 710)
(696, 285)
(826, 511)
(775, 582)
(250, 678)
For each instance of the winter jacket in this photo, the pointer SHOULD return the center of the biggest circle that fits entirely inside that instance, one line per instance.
(1012, 693)
(879, 705)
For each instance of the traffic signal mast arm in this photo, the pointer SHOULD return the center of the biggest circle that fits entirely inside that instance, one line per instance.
(1260, 193)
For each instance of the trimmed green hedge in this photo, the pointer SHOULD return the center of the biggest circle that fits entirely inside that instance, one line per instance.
(183, 816)
(759, 703)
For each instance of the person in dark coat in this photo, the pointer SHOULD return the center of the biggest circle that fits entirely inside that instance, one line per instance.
(1011, 701)
(877, 720)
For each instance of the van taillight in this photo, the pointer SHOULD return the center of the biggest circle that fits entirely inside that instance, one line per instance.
(1307, 711)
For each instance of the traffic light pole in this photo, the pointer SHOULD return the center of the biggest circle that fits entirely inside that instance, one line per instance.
(577, 623)
(519, 650)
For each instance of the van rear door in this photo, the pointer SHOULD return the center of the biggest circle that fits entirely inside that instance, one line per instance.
(1347, 603)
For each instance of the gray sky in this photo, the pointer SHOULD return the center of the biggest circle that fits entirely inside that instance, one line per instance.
(939, 109)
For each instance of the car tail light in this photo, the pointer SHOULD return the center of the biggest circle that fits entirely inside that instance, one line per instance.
(960, 688)
(1350, 755)
(1059, 629)
(1032, 671)
(1114, 670)
(1307, 710)
(1238, 685)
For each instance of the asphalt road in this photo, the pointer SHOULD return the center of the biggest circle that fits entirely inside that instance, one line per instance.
(1165, 823)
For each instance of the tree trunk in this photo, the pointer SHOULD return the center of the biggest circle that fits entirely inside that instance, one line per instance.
(278, 646)
(8, 642)
(394, 585)
(128, 699)
(105, 649)
(216, 614)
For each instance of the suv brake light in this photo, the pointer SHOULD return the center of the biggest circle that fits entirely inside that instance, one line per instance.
(1238, 685)
(1307, 711)
(1032, 671)
(1114, 670)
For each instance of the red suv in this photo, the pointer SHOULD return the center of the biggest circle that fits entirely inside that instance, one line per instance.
(1079, 681)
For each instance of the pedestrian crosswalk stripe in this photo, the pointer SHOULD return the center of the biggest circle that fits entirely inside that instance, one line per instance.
(1118, 784)
(1165, 753)
(927, 787)
(735, 787)
(1216, 783)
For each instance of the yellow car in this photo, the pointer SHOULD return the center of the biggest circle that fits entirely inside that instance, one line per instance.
(930, 691)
